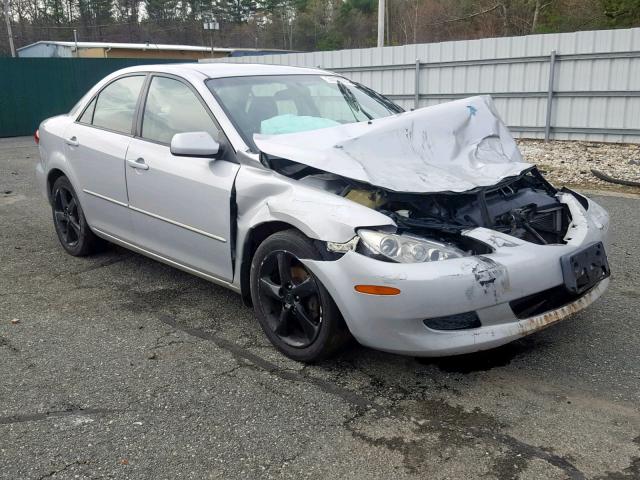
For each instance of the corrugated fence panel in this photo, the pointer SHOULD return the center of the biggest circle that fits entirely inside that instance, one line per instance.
(32, 89)
(596, 87)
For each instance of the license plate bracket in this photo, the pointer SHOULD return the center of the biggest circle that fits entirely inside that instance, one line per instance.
(583, 269)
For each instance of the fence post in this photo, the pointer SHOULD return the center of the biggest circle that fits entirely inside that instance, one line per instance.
(552, 71)
(416, 87)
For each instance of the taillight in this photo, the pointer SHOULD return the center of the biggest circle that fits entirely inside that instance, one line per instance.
(36, 136)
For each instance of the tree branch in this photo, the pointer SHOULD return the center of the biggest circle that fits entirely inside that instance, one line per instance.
(466, 17)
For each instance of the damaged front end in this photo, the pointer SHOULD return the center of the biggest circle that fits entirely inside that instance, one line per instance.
(478, 247)
(435, 172)
(526, 207)
(475, 269)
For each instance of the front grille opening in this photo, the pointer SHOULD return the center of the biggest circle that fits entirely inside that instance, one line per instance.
(460, 321)
(542, 302)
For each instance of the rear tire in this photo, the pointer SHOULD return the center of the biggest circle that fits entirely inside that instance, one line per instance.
(69, 221)
(294, 309)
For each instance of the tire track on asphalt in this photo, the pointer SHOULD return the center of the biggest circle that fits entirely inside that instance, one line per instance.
(239, 352)
(362, 403)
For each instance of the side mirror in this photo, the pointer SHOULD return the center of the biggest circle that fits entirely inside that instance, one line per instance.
(194, 144)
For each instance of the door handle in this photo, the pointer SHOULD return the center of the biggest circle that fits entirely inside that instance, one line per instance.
(138, 163)
(73, 141)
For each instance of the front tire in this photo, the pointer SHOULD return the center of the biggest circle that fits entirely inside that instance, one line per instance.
(294, 309)
(68, 219)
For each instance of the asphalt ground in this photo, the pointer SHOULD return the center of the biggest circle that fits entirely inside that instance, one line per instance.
(116, 366)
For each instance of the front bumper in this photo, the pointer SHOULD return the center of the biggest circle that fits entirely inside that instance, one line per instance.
(481, 284)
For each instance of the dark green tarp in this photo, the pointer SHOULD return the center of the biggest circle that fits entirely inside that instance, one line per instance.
(32, 89)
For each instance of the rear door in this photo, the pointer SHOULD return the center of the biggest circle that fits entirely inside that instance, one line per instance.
(96, 148)
(180, 206)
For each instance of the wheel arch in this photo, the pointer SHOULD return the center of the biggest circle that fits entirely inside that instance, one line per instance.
(265, 202)
(53, 175)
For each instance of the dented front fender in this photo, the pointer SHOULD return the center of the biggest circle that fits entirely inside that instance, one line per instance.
(266, 196)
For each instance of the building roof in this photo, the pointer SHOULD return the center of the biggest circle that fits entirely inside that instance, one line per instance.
(133, 46)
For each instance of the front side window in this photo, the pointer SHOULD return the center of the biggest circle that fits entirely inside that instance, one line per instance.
(116, 104)
(172, 108)
(280, 104)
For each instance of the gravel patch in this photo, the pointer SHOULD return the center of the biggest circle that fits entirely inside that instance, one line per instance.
(570, 162)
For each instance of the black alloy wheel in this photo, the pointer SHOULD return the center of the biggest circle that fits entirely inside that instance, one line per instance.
(291, 299)
(293, 307)
(68, 219)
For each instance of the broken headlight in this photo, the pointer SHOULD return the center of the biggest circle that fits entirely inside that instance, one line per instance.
(407, 249)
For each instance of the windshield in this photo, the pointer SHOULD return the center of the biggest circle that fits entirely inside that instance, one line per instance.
(278, 104)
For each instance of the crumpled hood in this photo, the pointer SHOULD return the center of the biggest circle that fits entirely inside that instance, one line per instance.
(455, 146)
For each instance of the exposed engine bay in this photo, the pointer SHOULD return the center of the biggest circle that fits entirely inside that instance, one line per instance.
(526, 206)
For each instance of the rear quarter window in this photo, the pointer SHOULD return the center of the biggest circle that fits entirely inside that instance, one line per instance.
(87, 116)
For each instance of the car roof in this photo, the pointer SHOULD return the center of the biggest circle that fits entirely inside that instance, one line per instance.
(220, 70)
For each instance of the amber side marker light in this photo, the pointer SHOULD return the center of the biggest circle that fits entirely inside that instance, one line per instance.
(377, 290)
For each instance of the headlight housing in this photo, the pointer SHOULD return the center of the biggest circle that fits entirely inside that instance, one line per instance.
(406, 248)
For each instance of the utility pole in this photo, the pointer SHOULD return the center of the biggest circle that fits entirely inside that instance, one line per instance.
(75, 41)
(211, 24)
(381, 11)
(7, 18)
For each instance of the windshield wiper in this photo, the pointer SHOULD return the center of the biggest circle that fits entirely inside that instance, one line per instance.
(352, 101)
(381, 98)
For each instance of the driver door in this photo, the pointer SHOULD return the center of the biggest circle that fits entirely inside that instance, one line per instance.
(180, 205)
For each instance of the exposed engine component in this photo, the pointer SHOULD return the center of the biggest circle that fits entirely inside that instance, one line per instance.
(375, 199)
(526, 206)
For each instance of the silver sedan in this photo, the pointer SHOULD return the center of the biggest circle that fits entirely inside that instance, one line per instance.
(332, 211)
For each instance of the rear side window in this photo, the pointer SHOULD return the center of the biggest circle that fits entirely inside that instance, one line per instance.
(171, 108)
(116, 104)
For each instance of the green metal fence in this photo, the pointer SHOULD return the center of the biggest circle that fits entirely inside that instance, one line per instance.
(32, 89)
